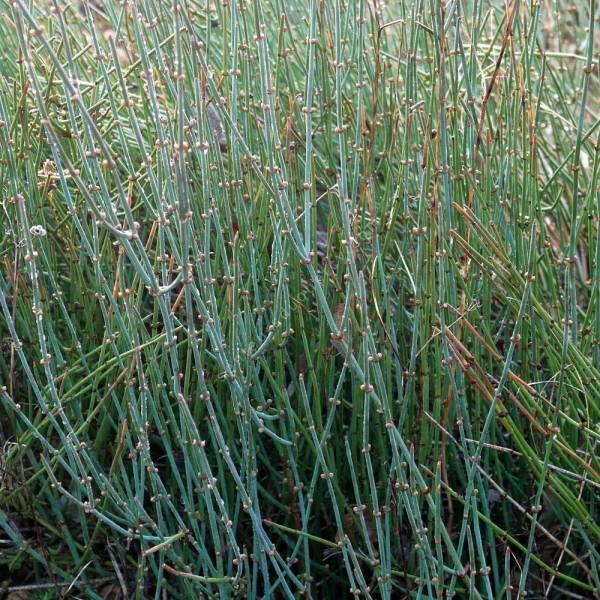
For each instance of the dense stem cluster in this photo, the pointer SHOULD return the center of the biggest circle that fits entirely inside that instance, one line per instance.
(300, 298)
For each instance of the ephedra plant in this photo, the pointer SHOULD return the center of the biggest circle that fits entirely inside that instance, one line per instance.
(299, 299)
